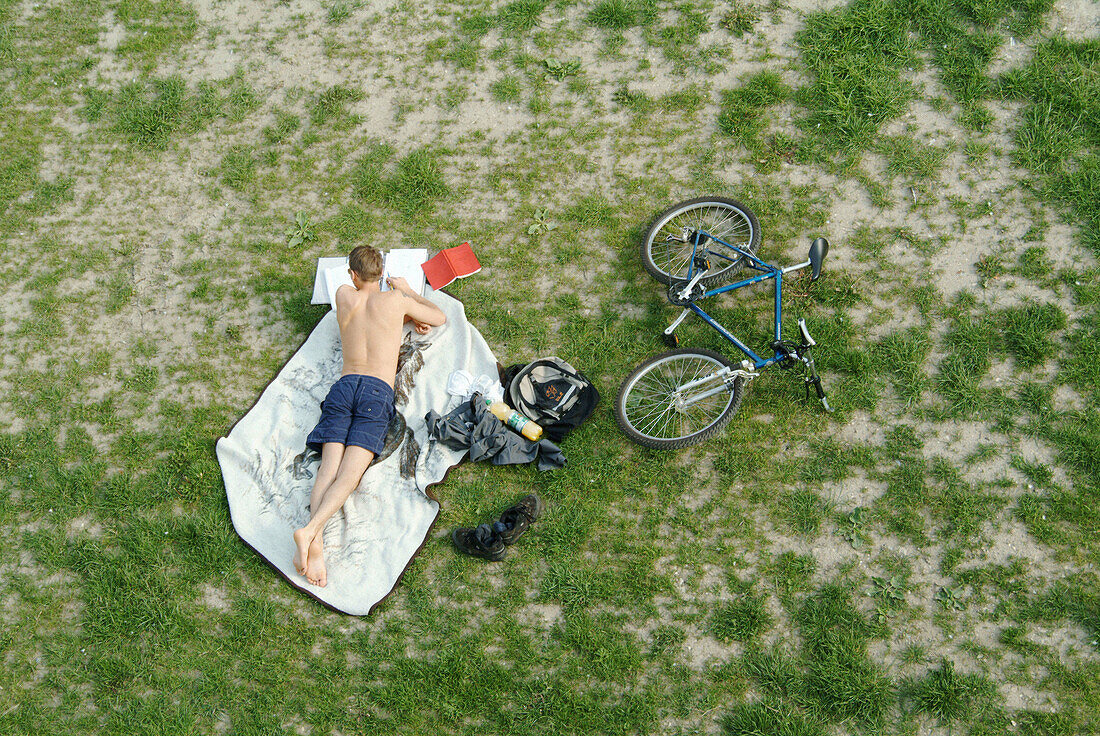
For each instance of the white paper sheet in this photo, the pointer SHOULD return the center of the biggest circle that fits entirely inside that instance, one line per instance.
(320, 287)
(405, 262)
(334, 279)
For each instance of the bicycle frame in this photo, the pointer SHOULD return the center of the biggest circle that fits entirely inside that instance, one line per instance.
(767, 271)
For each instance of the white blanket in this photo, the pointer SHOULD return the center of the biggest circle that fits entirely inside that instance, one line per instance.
(268, 475)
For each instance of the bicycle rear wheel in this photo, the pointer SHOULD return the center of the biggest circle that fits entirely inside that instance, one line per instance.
(668, 260)
(678, 398)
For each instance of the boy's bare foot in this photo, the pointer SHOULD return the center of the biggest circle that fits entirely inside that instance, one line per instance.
(315, 568)
(302, 540)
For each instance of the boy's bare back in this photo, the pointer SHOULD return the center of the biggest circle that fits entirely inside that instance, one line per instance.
(371, 323)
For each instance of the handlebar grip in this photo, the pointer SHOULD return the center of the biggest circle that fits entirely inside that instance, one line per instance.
(821, 393)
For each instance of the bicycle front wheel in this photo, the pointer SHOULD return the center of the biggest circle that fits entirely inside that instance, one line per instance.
(667, 257)
(678, 398)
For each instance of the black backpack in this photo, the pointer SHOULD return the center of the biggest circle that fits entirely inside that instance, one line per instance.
(553, 393)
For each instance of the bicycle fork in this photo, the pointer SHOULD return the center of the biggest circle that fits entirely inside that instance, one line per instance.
(806, 356)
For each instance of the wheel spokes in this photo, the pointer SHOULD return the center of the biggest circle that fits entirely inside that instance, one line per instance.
(656, 403)
(721, 221)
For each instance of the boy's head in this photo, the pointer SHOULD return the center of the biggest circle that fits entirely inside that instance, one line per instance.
(366, 262)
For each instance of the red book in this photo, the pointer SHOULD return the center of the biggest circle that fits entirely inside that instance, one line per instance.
(450, 264)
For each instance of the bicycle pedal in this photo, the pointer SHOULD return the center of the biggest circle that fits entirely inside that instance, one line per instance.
(671, 340)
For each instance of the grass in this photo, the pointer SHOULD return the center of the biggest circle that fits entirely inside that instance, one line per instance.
(680, 41)
(856, 55)
(947, 695)
(743, 619)
(803, 510)
(742, 108)
(507, 89)
(520, 17)
(860, 55)
(153, 28)
(740, 19)
(285, 125)
(151, 111)
(149, 116)
(1029, 332)
(902, 356)
(840, 680)
(619, 15)
(909, 158)
(802, 574)
(762, 717)
(330, 106)
(412, 186)
(1059, 134)
(342, 10)
(238, 168)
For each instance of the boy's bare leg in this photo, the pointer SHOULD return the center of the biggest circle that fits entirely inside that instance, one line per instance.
(310, 537)
(331, 455)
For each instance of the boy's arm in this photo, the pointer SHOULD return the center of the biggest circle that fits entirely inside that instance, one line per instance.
(422, 328)
(420, 309)
(343, 298)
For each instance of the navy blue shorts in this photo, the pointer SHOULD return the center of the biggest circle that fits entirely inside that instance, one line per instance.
(357, 411)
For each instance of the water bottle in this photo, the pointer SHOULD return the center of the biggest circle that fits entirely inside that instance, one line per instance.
(514, 419)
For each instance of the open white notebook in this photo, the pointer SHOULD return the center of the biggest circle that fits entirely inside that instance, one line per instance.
(332, 273)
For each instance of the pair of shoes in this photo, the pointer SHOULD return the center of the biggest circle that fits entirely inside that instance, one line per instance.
(489, 542)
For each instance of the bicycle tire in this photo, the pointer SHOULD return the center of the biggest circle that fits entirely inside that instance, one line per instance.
(646, 405)
(725, 218)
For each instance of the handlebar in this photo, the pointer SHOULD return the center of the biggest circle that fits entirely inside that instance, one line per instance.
(809, 341)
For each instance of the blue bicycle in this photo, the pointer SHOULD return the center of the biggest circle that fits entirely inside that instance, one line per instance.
(688, 395)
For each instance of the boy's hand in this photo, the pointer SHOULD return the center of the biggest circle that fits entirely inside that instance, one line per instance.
(422, 328)
(399, 284)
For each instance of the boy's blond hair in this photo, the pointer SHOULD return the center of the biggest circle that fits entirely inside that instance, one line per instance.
(366, 261)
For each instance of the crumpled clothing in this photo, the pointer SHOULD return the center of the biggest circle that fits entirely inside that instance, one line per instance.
(463, 384)
(472, 426)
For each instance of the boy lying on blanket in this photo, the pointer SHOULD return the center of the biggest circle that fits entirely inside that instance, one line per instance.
(358, 408)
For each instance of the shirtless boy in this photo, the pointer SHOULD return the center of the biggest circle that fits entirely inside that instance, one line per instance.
(359, 406)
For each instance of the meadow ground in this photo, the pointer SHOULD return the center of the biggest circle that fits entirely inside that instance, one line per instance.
(921, 561)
